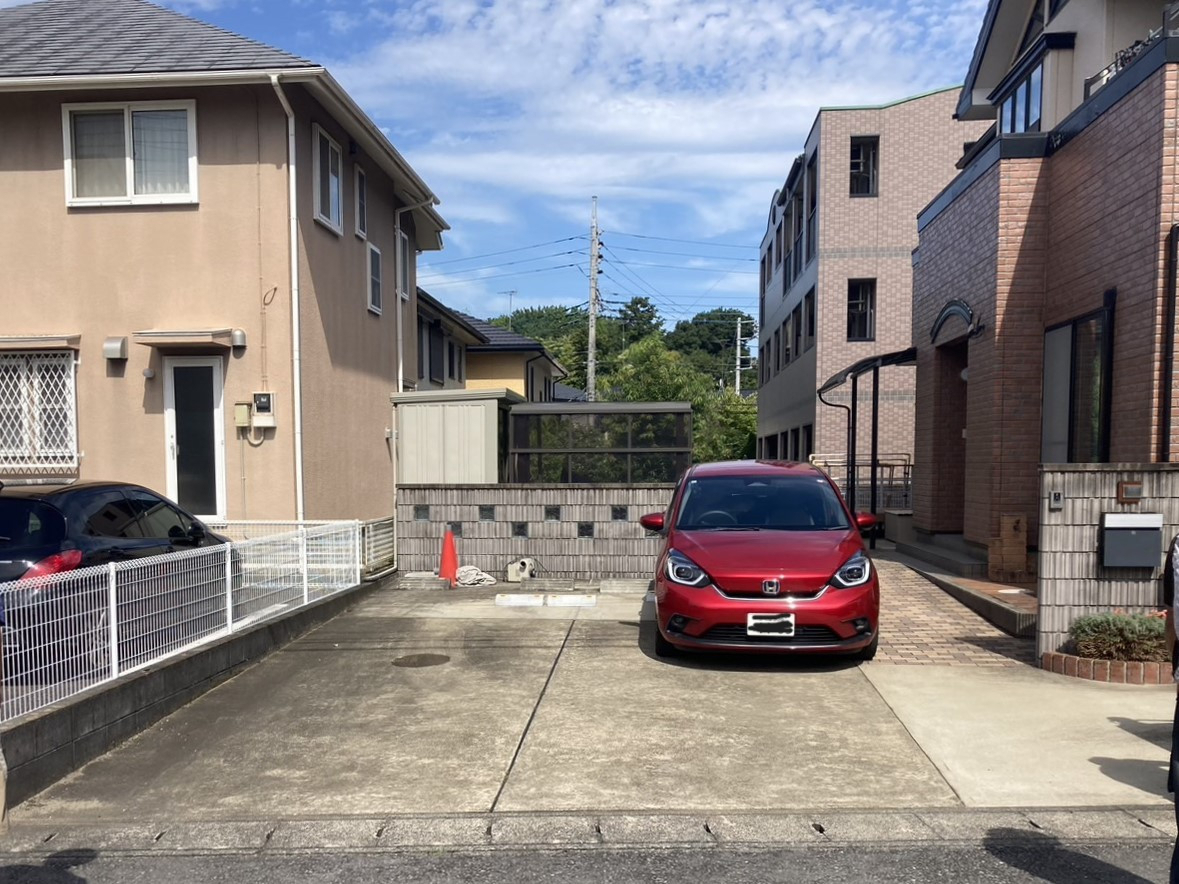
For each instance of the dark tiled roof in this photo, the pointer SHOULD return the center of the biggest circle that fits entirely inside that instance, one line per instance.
(500, 338)
(566, 393)
(59, 38)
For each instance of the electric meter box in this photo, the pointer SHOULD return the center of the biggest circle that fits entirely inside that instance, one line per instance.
(264, 410)
(1131, 540)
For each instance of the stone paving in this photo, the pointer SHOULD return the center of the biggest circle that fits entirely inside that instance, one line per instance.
(921, 624)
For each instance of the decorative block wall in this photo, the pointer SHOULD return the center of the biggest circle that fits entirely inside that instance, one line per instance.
(1072, 581)
(575, 531)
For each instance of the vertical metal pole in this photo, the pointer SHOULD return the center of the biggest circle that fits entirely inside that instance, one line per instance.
(737, 375)
(591, 359)
(113, 617)
(851, 445)
(229, 586)
(875, 441)
(303, 563)
(359, 560)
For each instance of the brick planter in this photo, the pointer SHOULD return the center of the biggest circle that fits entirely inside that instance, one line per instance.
(1111, 671)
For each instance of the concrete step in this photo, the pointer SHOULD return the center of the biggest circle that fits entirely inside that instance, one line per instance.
(946, 558)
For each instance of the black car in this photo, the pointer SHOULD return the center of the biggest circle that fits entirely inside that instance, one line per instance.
(47, 530)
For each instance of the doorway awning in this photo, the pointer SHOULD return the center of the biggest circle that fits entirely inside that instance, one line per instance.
(871, 364)
(900, 357)
(204, 338)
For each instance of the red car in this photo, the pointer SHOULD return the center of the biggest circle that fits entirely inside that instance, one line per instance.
(763, 556)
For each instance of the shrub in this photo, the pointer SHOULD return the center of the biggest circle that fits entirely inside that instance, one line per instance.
(1118, 636)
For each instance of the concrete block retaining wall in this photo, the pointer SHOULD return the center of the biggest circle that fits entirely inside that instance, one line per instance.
(596, 532)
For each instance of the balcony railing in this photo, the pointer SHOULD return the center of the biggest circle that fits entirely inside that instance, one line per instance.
(1124, 57)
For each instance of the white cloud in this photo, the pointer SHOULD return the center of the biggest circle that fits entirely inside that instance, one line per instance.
(679, 114)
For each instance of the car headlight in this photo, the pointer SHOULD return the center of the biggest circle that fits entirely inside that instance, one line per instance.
(854, 572)
(682, 570)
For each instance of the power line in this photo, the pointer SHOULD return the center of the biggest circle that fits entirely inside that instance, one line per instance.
(695, 269)
(507, 251)
(503, 264)
(693, 242)
(473, 279)
(684, 254)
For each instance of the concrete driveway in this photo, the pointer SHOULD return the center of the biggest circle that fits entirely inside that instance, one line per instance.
(417, 703)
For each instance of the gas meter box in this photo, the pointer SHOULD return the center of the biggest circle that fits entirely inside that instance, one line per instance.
(1131, 540)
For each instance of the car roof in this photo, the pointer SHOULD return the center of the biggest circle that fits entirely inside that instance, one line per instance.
(46, 492)
(754, 468)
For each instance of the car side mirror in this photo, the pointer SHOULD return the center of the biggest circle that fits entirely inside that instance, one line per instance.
(652, 521)
(196, 532)
(865, 521)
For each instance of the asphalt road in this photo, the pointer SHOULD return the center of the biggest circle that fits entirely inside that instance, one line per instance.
(1028, 859)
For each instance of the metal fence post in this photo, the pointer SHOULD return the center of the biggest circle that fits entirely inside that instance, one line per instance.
(113, 617)
(303, 562)
(229, 586)
(359, 559)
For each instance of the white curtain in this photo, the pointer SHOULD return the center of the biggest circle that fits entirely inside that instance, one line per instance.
(160, 139)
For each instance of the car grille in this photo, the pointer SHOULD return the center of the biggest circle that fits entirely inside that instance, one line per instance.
(734, 634)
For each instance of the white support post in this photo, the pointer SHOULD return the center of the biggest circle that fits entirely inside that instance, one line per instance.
(359, 557)
(229, 586)
(303, 563)
(113, 617)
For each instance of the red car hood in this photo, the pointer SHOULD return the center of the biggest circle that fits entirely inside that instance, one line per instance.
(738, 561)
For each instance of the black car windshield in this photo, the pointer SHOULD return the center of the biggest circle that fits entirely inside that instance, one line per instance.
(771, 503)
(29, 525)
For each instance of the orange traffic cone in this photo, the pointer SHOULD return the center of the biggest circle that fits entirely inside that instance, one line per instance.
(448, 567)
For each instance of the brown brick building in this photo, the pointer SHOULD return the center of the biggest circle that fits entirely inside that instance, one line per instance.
(1043, 284)
(836, 270)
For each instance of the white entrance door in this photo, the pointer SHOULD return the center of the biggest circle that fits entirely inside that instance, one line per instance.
(194, 428)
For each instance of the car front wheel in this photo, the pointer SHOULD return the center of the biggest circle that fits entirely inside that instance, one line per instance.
(868, 652)
(664, 648)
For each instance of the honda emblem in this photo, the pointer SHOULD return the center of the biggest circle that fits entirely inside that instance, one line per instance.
(771, 587)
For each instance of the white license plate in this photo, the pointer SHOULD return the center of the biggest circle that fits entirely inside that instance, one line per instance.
(770, 625)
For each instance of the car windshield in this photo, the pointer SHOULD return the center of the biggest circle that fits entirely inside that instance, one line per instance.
(29, 525)
(751, 503)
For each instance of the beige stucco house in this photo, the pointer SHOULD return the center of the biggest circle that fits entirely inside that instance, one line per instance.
(209, 266)
(507, 360)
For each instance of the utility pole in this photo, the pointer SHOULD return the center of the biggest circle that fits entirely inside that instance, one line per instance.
(737, 379)
(591, 360)
(511, 310)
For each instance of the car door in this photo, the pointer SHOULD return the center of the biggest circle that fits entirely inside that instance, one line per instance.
(106, 527)
(179, 601)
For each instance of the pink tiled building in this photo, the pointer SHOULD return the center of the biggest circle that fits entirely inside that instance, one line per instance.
(1043, 285)
(836, 271)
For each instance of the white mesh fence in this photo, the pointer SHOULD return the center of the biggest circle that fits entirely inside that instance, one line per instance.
(377, 538)
(70, 631)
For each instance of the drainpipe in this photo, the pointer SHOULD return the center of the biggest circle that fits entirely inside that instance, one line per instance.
(296, 352)
(397, 213)
(1167, 363)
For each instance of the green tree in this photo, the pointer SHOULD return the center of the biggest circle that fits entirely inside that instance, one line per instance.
(648, 371)
(709, 339)
(545, 324)
(726, 429)
(639, 319)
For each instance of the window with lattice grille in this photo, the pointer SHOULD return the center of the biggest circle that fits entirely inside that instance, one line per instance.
(38, 411)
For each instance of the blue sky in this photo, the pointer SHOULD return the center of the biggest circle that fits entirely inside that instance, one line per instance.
(682, 116)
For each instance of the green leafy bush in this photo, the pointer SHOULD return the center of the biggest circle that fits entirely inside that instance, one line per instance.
(1118, 636)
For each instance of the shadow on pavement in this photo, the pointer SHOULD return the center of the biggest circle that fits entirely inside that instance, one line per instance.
(1149, 776)
(1022, 650)
(1045, 857)
(54, 870)
(751, 662)
(1156, 730)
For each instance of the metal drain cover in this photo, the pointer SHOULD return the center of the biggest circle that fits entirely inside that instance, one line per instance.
(417, 661)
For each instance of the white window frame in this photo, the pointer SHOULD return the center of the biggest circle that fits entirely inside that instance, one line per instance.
(360, 188)
(374, 306)
(131, 199)
(403, 265)
(32, 455)
(334, 224)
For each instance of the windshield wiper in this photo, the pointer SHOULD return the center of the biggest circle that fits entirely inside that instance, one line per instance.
(724, 528)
